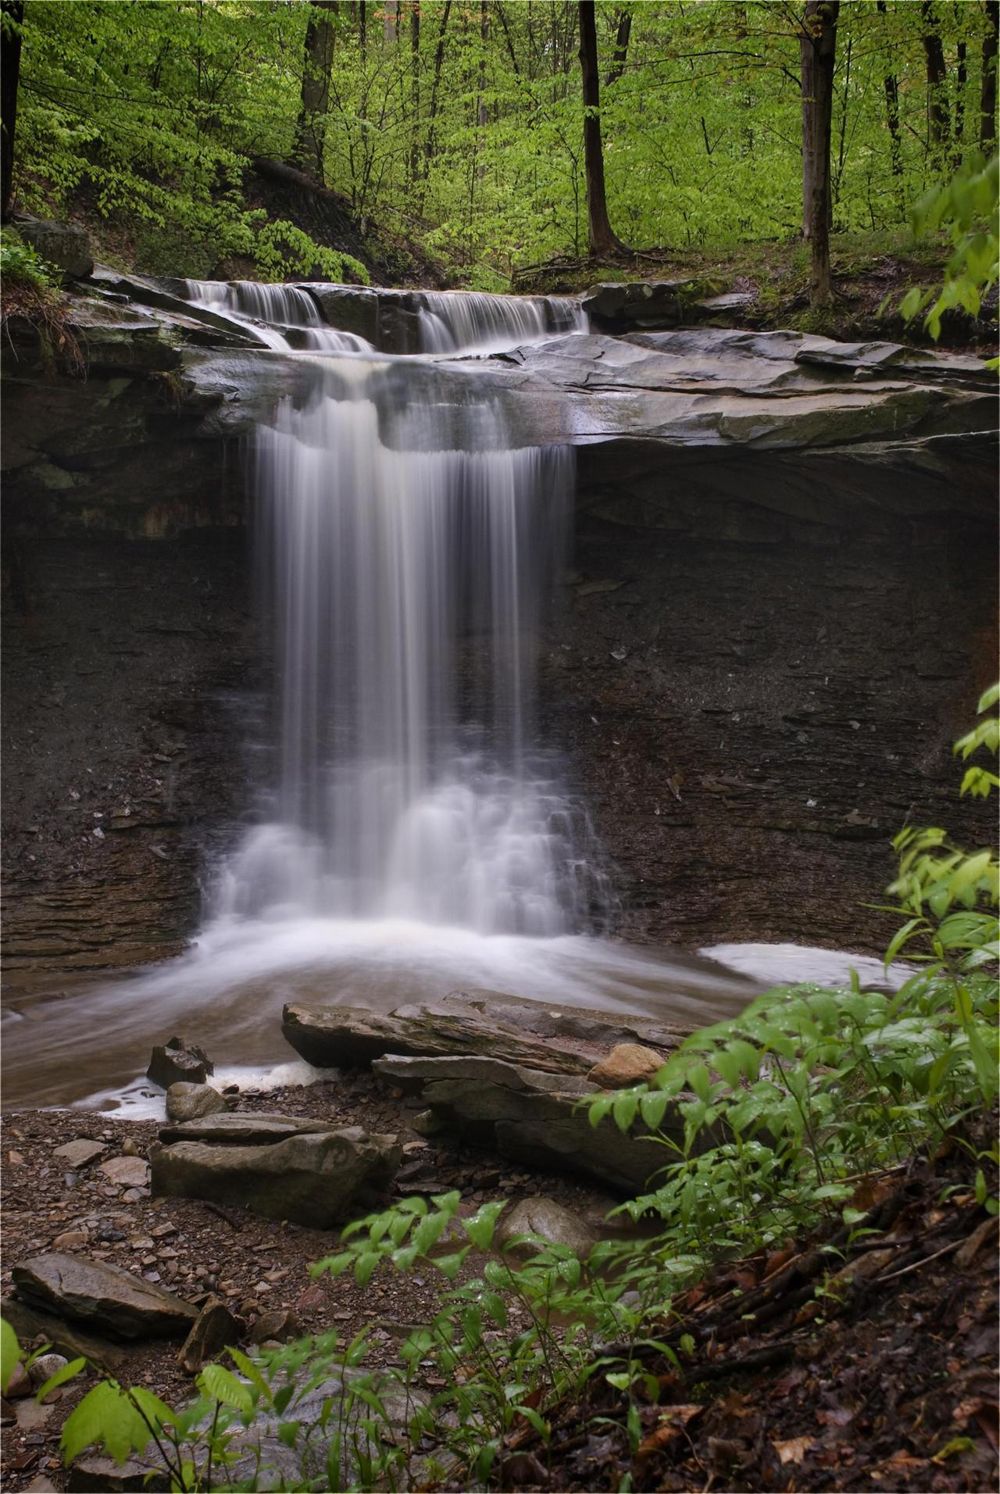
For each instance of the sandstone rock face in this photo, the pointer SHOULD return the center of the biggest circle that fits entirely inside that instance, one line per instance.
(543, 1037)
(102, 1296)
(545, 1220)
(627, 1063)
(312, 1178)
(187, 1102)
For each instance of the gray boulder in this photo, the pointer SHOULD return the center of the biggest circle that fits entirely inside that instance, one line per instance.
(102, 1296)
(64, 245)
(543, 1220)
(186, 1102)
(311, 1178)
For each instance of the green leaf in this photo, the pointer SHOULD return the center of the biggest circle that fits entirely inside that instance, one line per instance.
(364, 1267)
(481, 1226)
(11, 1353)
(66, 1372)
(222, 1385)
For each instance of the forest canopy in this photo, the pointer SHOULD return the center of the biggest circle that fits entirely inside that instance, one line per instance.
(460, 126)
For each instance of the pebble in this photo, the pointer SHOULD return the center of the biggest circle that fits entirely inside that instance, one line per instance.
(44, 1367)
(70, 1239)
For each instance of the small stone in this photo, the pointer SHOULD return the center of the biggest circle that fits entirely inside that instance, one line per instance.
(80, 1153)
(70, 1239)
(280, 1324)
(548, 1222)
(627, 1063)
(20, 1384)
(141, 1242)
(249, 1307)
(193, 1101)
(215, 1329)
(130, 1148)
(127, 1172)
(163, 1231)
(44, 1367)
(178, 1062)
(427, 1123)
(135, 1195)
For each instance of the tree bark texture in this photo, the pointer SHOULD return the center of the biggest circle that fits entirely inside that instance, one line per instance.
(938, 120)
(988, 92)
(890, 84)
(10, 69)
(817, 53)
(602, 239)
(310, 130)
(622, 33)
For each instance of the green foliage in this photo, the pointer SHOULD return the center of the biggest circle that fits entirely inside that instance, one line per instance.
(462, 126)
(21, 265)
(967, 208)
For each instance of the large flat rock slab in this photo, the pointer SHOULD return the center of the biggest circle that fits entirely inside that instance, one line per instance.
(534, 1118)
(311, 1178)
(548, 1038)
(242, 1128)
(101, 1296)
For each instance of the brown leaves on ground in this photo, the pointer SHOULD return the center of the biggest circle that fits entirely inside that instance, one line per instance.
(872, 1366)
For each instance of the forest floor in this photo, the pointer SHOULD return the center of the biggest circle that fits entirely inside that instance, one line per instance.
(838, 1364)
(871, 274)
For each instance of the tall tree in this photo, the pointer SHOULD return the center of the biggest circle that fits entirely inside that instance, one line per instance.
(938, 118)
(601, 237)
(11, 20)
(890, 86)
(310, 128)
(817, 54)
(988, 93)
(623, 31)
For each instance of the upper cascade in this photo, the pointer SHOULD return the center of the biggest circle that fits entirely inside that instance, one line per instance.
(284, 316)
(474, 322)
(304, 317)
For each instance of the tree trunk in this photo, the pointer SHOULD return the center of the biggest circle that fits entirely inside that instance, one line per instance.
(817, 52)
(988, 94)
(431, 141)
(310, 130)
(891, 86)
(601, 237)
(620, 56)
(938, 123)
(415, 91)
(10, 69)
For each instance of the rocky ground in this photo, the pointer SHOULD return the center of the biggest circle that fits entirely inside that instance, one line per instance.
(258, 1266)
(833, 1363)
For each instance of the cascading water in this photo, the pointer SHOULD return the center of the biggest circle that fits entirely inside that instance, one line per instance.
(474, 322)
(408, 583)
(283, 317)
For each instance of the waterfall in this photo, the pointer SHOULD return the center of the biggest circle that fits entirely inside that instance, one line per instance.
(281, 316)
(473, 322)
(408, 578)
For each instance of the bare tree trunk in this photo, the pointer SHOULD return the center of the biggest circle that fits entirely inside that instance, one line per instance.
(601, 237)
(431, 143)
(390, 22)
(415, 90)
(988, 94)
(620, 56)
(482, 108)
(361, 12)
(938, 121)
(10, 71)
(817, 53)
(310, 130)
(891, 86)
(961, 78)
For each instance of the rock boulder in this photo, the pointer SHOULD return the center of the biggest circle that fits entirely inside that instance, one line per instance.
(101, 1296)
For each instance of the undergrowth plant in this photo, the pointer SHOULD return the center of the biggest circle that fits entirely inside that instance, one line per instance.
(765, 1123)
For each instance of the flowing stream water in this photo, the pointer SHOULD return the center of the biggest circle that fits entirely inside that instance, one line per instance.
(415, 834)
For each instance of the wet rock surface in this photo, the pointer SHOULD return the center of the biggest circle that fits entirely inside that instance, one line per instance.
(548, 1038)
